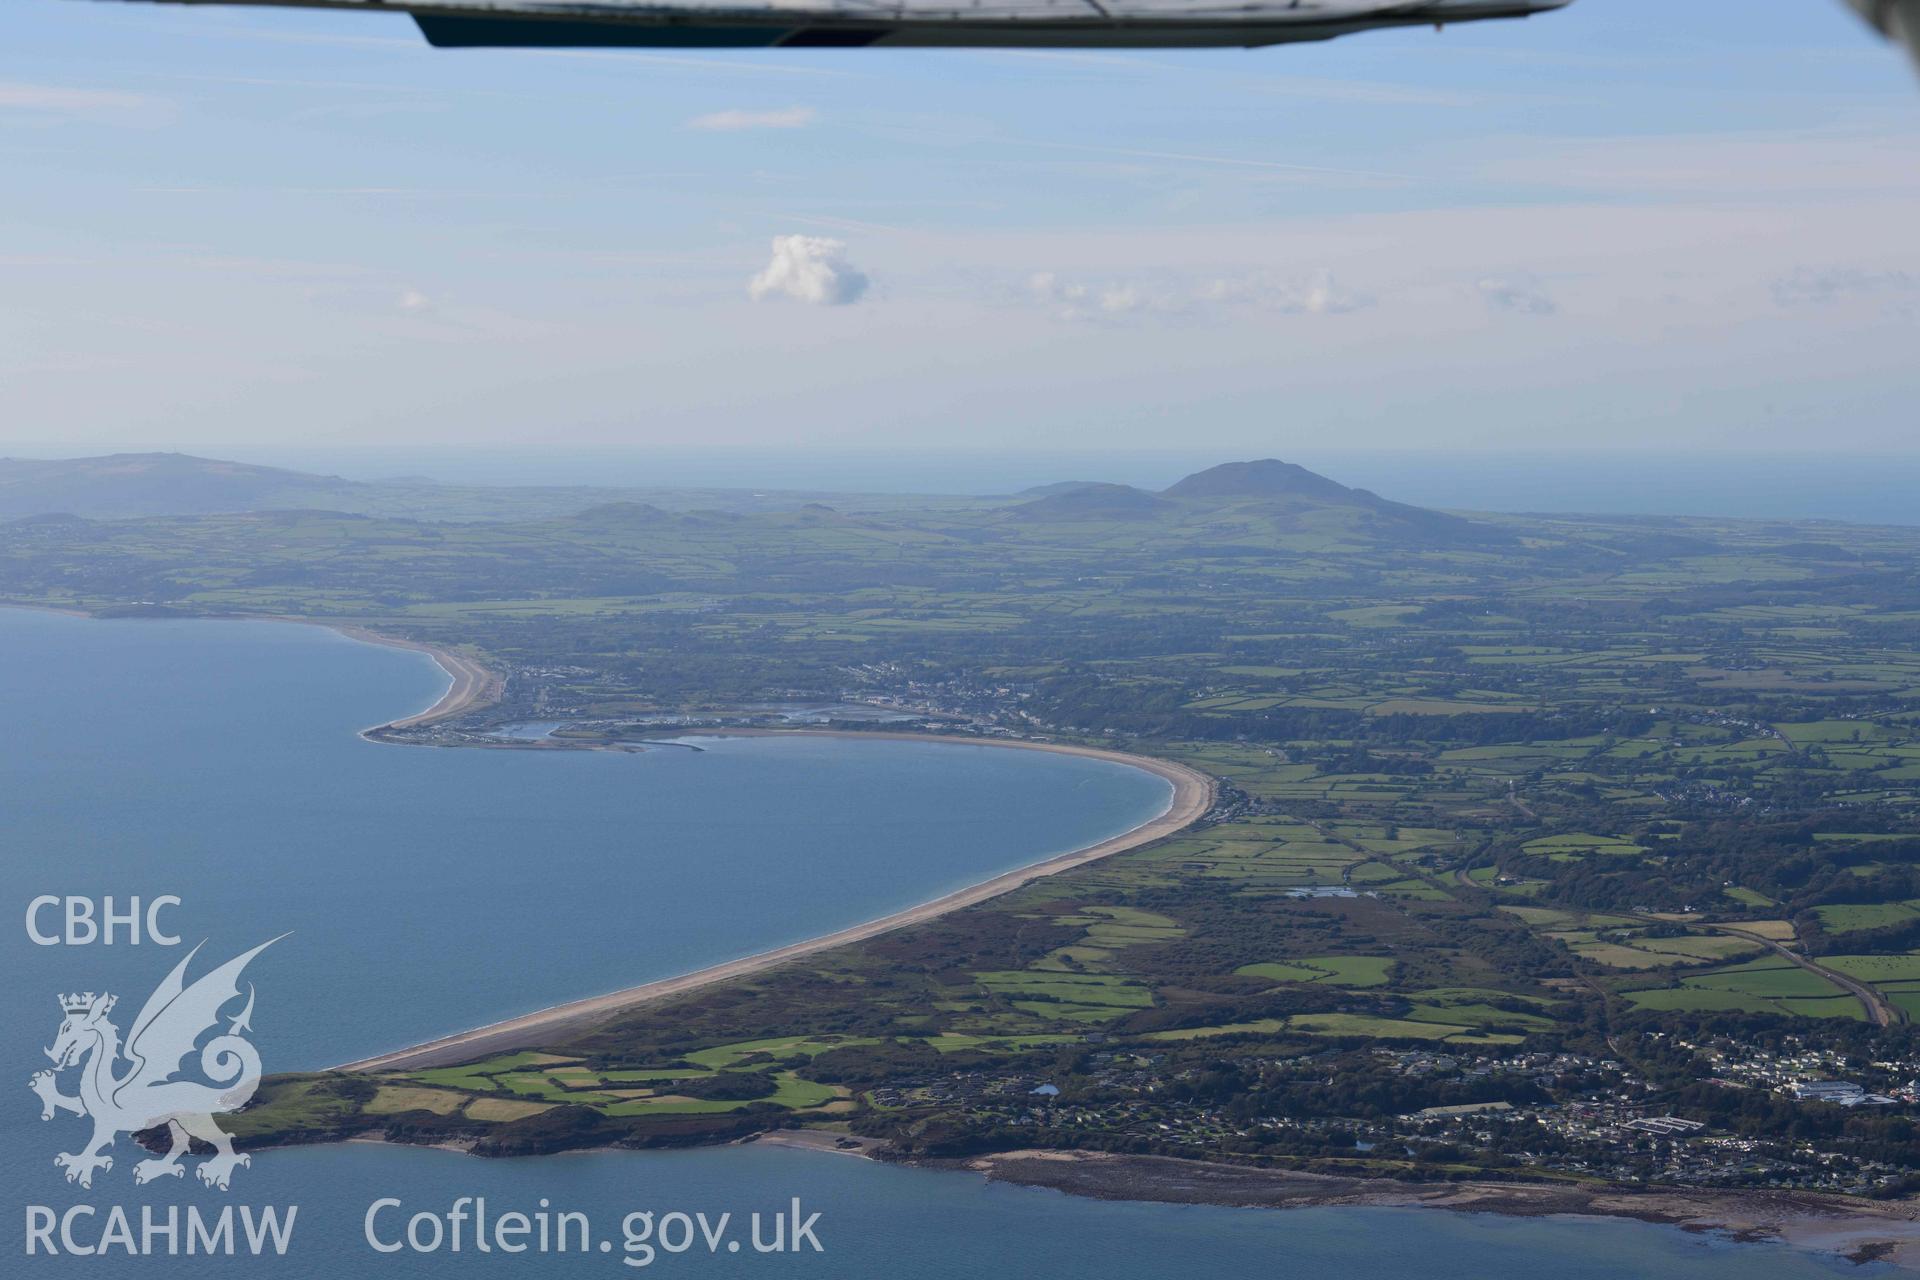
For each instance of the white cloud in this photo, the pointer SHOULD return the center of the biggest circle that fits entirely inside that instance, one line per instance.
(736, 121)
(1084, 300)
(1314, 294)
(809, 269)
(1516, 294)
(1048, 287)
(414, 301)
(1180, 293)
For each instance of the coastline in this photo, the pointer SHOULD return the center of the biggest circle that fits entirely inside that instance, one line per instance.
(1861, 1231)
(471, 684)
(1193, 794)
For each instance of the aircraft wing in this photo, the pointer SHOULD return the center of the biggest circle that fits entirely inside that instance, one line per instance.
(1895, 19)
(1055, 24)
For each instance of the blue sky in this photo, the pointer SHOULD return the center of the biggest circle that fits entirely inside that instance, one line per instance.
(1631, 224)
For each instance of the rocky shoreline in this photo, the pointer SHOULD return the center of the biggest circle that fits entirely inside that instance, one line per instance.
(1860, 1230)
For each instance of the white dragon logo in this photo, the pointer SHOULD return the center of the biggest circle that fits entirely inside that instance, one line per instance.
(146, 1095)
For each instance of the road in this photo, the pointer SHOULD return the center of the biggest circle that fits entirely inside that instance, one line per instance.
(1880, 1011)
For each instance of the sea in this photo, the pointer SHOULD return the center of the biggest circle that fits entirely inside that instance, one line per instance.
(413, 891)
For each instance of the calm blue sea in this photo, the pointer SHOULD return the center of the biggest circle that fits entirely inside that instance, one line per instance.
(432, 890)
(428, 890)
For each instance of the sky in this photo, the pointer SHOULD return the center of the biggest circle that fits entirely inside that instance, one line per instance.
(1631, 225)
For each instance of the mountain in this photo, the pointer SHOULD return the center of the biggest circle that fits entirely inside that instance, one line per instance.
(1088, 500)
(1266, 478)
(157, 484)
(1291, 494)
(1235, 503)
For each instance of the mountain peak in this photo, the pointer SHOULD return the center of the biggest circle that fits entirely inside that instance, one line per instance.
(1264, 478)
(1288, 491)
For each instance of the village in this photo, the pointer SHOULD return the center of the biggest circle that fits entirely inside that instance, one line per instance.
(1568, 1115)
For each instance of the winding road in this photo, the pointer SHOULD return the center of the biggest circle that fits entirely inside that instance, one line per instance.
(1880, 1011)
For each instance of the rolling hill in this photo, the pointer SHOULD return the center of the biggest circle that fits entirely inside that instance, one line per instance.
(126, 485)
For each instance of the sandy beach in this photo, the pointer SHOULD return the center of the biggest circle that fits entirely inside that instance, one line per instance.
(472, 684)
(1192, 797)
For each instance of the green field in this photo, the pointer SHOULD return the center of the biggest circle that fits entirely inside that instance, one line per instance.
(1343, 971)
(1877, 969)
(1491, 784)
(1847, 917)
(1769, 985)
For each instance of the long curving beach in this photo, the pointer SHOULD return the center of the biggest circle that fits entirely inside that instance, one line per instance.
(472, 684)
(1193, 794)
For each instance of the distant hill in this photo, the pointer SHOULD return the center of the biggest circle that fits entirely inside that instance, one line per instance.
(624, 515)
(1087, 500)
(1235, 503)
(1058, 486)
(132, 485)
(158, 484)
(1266, 478)
(1288, 491)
